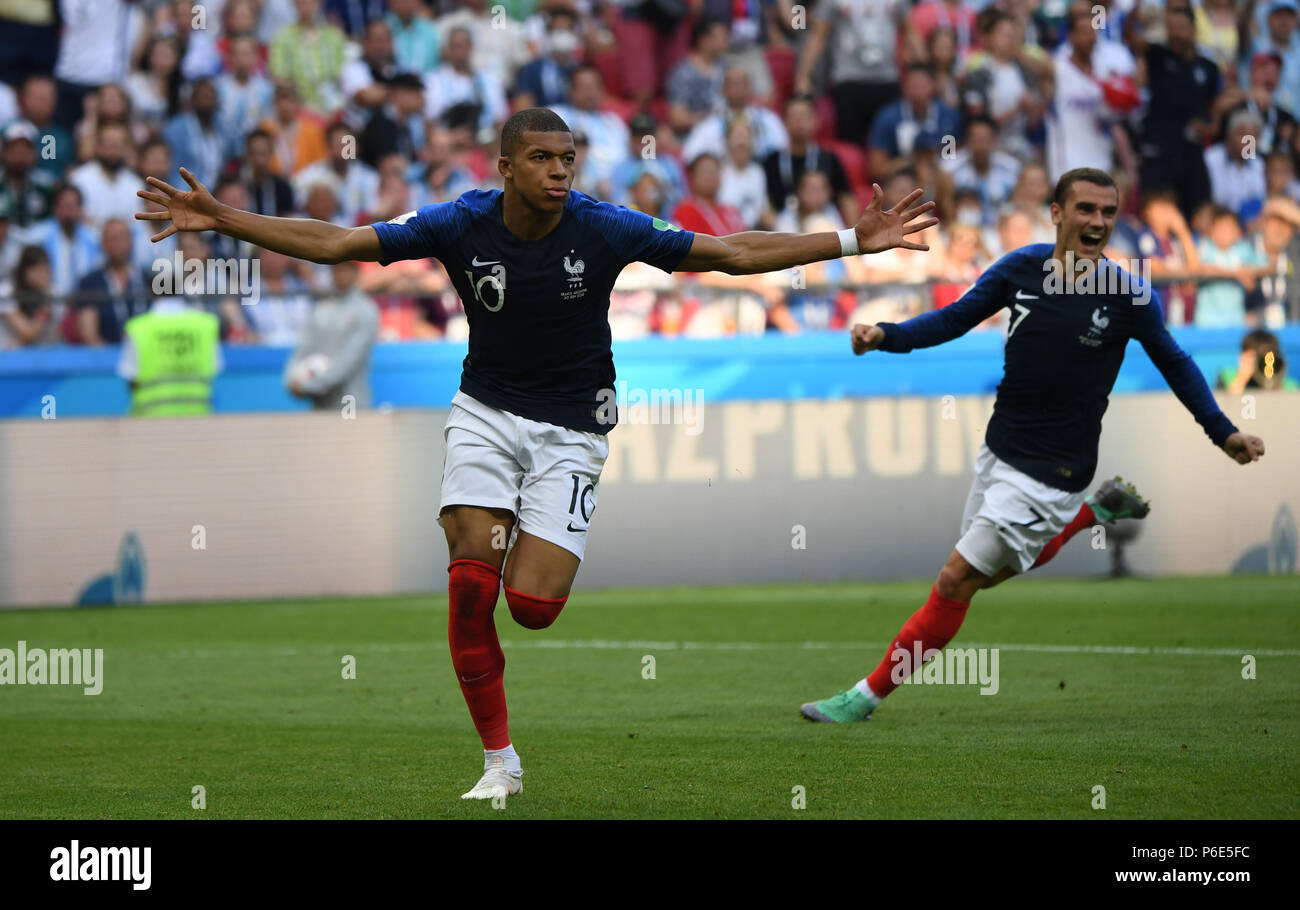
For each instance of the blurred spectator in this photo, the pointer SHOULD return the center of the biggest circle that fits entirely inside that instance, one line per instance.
(1179, 121)
(1168, 245)
(438, 178)
(170, 356)
(155, 91)
(1082, 129)
(917, 119)
(929, 15)
(72, 247)
(284, 303)
(544, 82)
(941, 53)
(864, 36)
(108, 187)
(194, 138)
(1032, 194)
(1216, 32)
(456, 82)
(499, 45)
(297, 134)
(94, 49)
(399, 125)
(409, 296)
(109, 296)
(743, 186)
(268, 193)
(1001, 82)
(784, 168)
(353, 15)
(981, 166)
(10, 247)
(667, 178)
(1279, 176)
(1276, 297)
(768, 133)
(37, 100)
(27, 189)
(694, 87)
(962, 259)
(332, 360)
(27, 314)
(365, 81)
(1236, 171)
(232, 192)
(416, 45)
(1281, 37)
(245, 97)
(701, 212)
(812, 202)
(109, 104)
(1278, 124)
(1225, 255)
(606, 132)
(241, 20)
(310, 55)
(1261, 366)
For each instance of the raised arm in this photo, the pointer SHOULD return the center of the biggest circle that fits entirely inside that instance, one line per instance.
(301, 238)
(751, 252)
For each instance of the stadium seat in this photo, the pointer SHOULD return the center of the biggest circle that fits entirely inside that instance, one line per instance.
(781, 61)
(825, 120)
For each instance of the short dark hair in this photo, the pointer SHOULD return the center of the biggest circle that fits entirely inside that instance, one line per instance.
(702, 27)
(529, 120)
(800, 98)
(1081, 175)
(982, 120)
(258, 133)
(919, 66)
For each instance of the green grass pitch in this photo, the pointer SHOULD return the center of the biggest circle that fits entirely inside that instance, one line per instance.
(249, 701)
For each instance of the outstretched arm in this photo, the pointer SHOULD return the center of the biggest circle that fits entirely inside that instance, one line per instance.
(1187, 382)
(301, 238)
(752, 252)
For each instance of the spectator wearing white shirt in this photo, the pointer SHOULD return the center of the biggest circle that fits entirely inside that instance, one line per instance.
(73, 248)
(606, 132)
(500, 44)
(155, 90)
(108, 187)
(94, 49)
(743, 182)
(354, 183)
(456, 82)
(709, 135)
(1237, 180)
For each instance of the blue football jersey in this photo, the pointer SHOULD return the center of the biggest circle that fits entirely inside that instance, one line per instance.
(538, 311)
(1064, 350)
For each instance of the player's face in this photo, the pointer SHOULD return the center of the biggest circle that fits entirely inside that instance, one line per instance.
(1084, 223)
(542, 169)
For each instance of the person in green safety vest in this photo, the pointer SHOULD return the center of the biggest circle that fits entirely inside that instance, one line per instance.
(170, 356)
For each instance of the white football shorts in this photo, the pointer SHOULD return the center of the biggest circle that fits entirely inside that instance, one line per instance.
(547, 475)
(1010, 517)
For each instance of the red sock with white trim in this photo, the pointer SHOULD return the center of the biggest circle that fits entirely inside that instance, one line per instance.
(476, 651)
(931, 627)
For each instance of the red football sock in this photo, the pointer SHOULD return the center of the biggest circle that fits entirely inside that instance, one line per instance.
(475, 650)
(1085, 519)
(932, 626)
(533, 612)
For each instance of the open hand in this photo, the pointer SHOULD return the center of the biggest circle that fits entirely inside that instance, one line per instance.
(194, 210)
(1244, 449)
(880, 230)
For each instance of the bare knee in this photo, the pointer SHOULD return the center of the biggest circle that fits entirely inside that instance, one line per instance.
(478, 534)
(958, 579)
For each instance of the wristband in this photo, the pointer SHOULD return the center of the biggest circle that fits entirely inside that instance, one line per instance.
(849, 242)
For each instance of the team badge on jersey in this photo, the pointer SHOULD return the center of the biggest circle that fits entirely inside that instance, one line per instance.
(1099, 323)
(577, 289)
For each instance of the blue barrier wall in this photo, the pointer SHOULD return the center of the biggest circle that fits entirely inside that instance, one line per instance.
(83, 381)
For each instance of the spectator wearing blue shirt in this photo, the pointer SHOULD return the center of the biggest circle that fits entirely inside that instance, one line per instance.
(72, 247)
(919, 119)
(416, 43)
(1282, 38)
(544, 82)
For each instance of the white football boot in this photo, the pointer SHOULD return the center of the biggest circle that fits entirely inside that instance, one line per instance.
(497, 781)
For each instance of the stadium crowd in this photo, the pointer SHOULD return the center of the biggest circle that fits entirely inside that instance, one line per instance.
(716, 115)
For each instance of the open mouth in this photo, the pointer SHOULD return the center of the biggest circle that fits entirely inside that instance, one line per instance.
(1091, 240)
